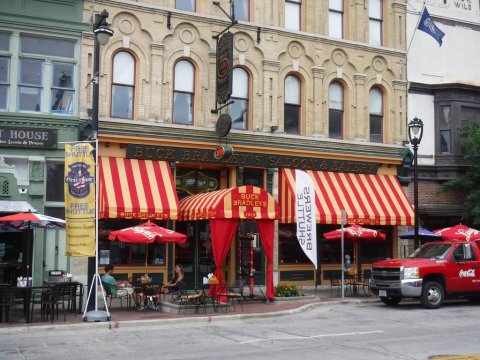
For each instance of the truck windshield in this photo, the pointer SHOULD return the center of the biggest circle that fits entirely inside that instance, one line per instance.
(437, 251)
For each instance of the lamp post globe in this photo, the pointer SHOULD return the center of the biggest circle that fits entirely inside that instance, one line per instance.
(415, 133)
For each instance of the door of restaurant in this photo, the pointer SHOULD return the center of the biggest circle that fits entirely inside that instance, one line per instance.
(196, 254)
(250, 254)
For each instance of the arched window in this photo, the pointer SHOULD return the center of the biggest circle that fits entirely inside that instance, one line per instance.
(376, 115)
(123, 85)
(292, 106)
(183, 94)
(335, 110)
(239, 109)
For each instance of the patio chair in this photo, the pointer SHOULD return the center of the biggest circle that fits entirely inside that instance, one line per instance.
(335, 281)
(6, 302)
(233, 295)
(120, 297)
(49, 299)
(367, 274)
(195, 298)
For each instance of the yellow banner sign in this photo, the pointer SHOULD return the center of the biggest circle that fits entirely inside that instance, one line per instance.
(80, 237)
(80, 209)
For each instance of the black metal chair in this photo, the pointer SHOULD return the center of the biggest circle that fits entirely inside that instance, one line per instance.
(6, 302)
(111, 296)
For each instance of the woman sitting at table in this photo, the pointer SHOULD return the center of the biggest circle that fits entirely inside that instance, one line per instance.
(173, 285)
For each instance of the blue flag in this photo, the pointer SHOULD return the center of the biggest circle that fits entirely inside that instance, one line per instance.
(427, 25)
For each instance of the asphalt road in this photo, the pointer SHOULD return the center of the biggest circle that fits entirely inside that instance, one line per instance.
(328, 331)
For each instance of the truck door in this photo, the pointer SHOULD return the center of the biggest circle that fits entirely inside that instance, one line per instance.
(464, 271)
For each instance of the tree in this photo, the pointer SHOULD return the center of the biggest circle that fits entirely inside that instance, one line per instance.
(470, 181)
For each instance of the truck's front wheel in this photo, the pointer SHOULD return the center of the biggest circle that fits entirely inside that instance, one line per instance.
(432, 295)
(390, 301)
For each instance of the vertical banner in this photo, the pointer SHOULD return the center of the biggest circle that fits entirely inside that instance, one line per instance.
(80, 199)
(306, 215)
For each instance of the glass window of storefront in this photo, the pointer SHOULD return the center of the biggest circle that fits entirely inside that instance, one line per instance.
(120, 253)
(329, 252)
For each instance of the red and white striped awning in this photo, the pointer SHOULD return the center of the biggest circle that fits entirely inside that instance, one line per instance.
(367, 199)
(136, 189)
(244, 202)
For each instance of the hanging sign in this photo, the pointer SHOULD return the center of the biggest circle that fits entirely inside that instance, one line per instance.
(224, 67)
(223, 152)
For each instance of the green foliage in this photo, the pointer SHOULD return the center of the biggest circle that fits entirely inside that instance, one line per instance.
(287, 291)
(470, 181)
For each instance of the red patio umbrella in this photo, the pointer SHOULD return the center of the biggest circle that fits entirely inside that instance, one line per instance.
(29, 220)
(357, 234)
(147, 233)
(458, 232)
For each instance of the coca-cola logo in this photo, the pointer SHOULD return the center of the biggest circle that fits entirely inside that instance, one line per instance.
(467, 273)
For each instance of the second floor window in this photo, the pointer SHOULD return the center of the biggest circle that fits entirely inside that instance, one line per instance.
(123, 85)
(239, 109)
(242, 9)
(376, 115)
(375, 14)
(186, 5)
(293, 14)
(292, 106)
(335, 19)
(46, 76)
(183, 95)
(4, 71)
(335, 110)
(445, 123)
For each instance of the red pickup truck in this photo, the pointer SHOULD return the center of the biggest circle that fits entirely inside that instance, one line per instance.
(434, 271)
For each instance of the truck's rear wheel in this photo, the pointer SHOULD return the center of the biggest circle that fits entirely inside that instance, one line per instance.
(433, 295)
(390, 301)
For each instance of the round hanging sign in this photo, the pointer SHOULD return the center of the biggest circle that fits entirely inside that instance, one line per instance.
(223, 126)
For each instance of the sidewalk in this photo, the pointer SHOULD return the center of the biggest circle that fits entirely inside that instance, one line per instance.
(255, 308)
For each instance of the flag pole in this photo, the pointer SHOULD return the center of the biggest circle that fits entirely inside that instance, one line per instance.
(416, 26)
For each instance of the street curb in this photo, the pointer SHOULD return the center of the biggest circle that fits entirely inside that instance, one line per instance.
(114, 325)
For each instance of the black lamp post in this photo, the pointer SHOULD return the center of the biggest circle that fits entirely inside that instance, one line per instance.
(102, 35)
(415, 133)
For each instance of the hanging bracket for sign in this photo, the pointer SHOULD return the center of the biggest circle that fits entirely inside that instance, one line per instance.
(224, 61)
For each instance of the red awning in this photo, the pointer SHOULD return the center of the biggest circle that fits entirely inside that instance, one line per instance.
(367, 199)
(136, 189)
(244, 202)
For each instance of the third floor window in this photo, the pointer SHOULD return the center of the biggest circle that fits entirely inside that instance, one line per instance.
(293, 14)
(375, 27)
(335, 19)
(186, 5)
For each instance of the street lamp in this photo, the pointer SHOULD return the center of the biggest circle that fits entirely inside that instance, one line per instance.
(415, 133)
(102, 35)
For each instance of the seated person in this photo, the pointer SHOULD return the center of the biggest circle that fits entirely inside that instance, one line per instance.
(118, 287)
(173, 285)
